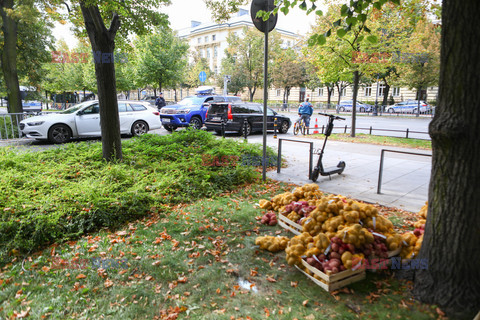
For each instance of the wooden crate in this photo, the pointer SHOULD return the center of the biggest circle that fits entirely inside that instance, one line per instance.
(289, 225)
(334, 281)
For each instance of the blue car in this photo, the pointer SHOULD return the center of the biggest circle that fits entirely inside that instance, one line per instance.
(191, 111)
(347, 105)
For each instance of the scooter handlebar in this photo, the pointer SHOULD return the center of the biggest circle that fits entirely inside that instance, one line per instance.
(332, 116)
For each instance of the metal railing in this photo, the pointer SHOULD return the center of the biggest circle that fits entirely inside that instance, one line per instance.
(9, 125)
(279, 156)
(382, 156)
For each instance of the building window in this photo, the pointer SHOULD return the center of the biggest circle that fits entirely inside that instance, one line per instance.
(320, 92)
(396, 91)
(206, 39)
(215, 69)
(208, 53)
(214, 37)
(368, 91)
(215, 51)
(199, 40)
(289, 43)
(343, 93)
(278, 92)
(381, 90)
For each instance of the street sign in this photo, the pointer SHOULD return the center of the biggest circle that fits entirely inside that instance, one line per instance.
(202, 76)
(265, 5)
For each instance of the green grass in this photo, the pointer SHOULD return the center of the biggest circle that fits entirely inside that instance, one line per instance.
(187, 261)
(380, 140)
(62, 193)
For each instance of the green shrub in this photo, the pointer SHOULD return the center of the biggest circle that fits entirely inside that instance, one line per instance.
(62, 193)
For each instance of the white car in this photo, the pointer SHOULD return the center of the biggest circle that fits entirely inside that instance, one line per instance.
(83, 120)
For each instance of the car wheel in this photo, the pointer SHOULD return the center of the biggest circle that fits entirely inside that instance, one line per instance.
(248, 129)
(169, 128)
(59, 133)
(390, 110)
(195, 123)
(362, 109)
(139, 128)
(341, 109)
(284, 127)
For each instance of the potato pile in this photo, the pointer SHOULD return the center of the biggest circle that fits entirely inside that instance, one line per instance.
(412, 241)
(269, 218)
(338, 233)
(272, 244)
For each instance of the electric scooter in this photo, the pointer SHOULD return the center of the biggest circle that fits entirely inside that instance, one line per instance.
(319, 168)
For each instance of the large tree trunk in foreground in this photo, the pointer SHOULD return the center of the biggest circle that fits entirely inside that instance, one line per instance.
(103, 45)
(9, 58)
(452, 236)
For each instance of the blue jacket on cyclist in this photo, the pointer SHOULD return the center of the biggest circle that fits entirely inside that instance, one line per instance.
(305, 111)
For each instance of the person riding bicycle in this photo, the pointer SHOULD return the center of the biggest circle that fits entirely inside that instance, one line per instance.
(305, 111)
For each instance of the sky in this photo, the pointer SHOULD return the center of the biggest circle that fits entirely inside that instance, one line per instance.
(181, 12)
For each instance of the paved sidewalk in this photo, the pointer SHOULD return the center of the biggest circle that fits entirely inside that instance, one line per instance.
(405, 177)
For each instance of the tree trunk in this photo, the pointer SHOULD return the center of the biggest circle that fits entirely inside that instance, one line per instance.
(251, 91)
(385, 93)
(103, 45)
(452, 235)
(356, 80)
(159, 87)
(9, 58)
(329, 97)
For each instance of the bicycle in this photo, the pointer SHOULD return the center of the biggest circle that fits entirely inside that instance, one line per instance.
(300, 126)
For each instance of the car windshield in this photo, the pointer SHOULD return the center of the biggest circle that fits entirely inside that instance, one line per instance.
(76, 107)
(188, 101)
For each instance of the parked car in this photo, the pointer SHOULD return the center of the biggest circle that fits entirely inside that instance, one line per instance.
(83, 120)
(149, 99)
(409, 106)
(234, 115)
(191, 111)
(347, 105)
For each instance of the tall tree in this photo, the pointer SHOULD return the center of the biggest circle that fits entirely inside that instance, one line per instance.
(161, 58)
(238, 80)
(420, 61)
(25, 42)
(247, 51)
(192, 71)
(124, 18)
(288, 71)
(452, 235)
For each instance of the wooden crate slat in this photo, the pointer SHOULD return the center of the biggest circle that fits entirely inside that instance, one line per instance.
(334, 281)
(289, 224)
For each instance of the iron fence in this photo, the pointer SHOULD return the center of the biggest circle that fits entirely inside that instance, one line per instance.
(9, 124)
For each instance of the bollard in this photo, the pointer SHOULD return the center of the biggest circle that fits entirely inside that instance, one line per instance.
(370, 130)
(275, 128)
(407, 133)
(316, 127)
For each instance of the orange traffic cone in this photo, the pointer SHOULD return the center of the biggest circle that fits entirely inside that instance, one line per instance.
(316, 127)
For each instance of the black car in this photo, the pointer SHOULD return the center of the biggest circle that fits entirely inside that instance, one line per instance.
(234, 115)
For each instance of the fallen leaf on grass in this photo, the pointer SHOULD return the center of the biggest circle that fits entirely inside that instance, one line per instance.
(81, 276)
(108, 283)
(440, 312)
(156, 263)
(294, 284)
(22, 314)
(271, 279)
(305, 303)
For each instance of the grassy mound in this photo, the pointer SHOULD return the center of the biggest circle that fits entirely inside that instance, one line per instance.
(64, 192)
